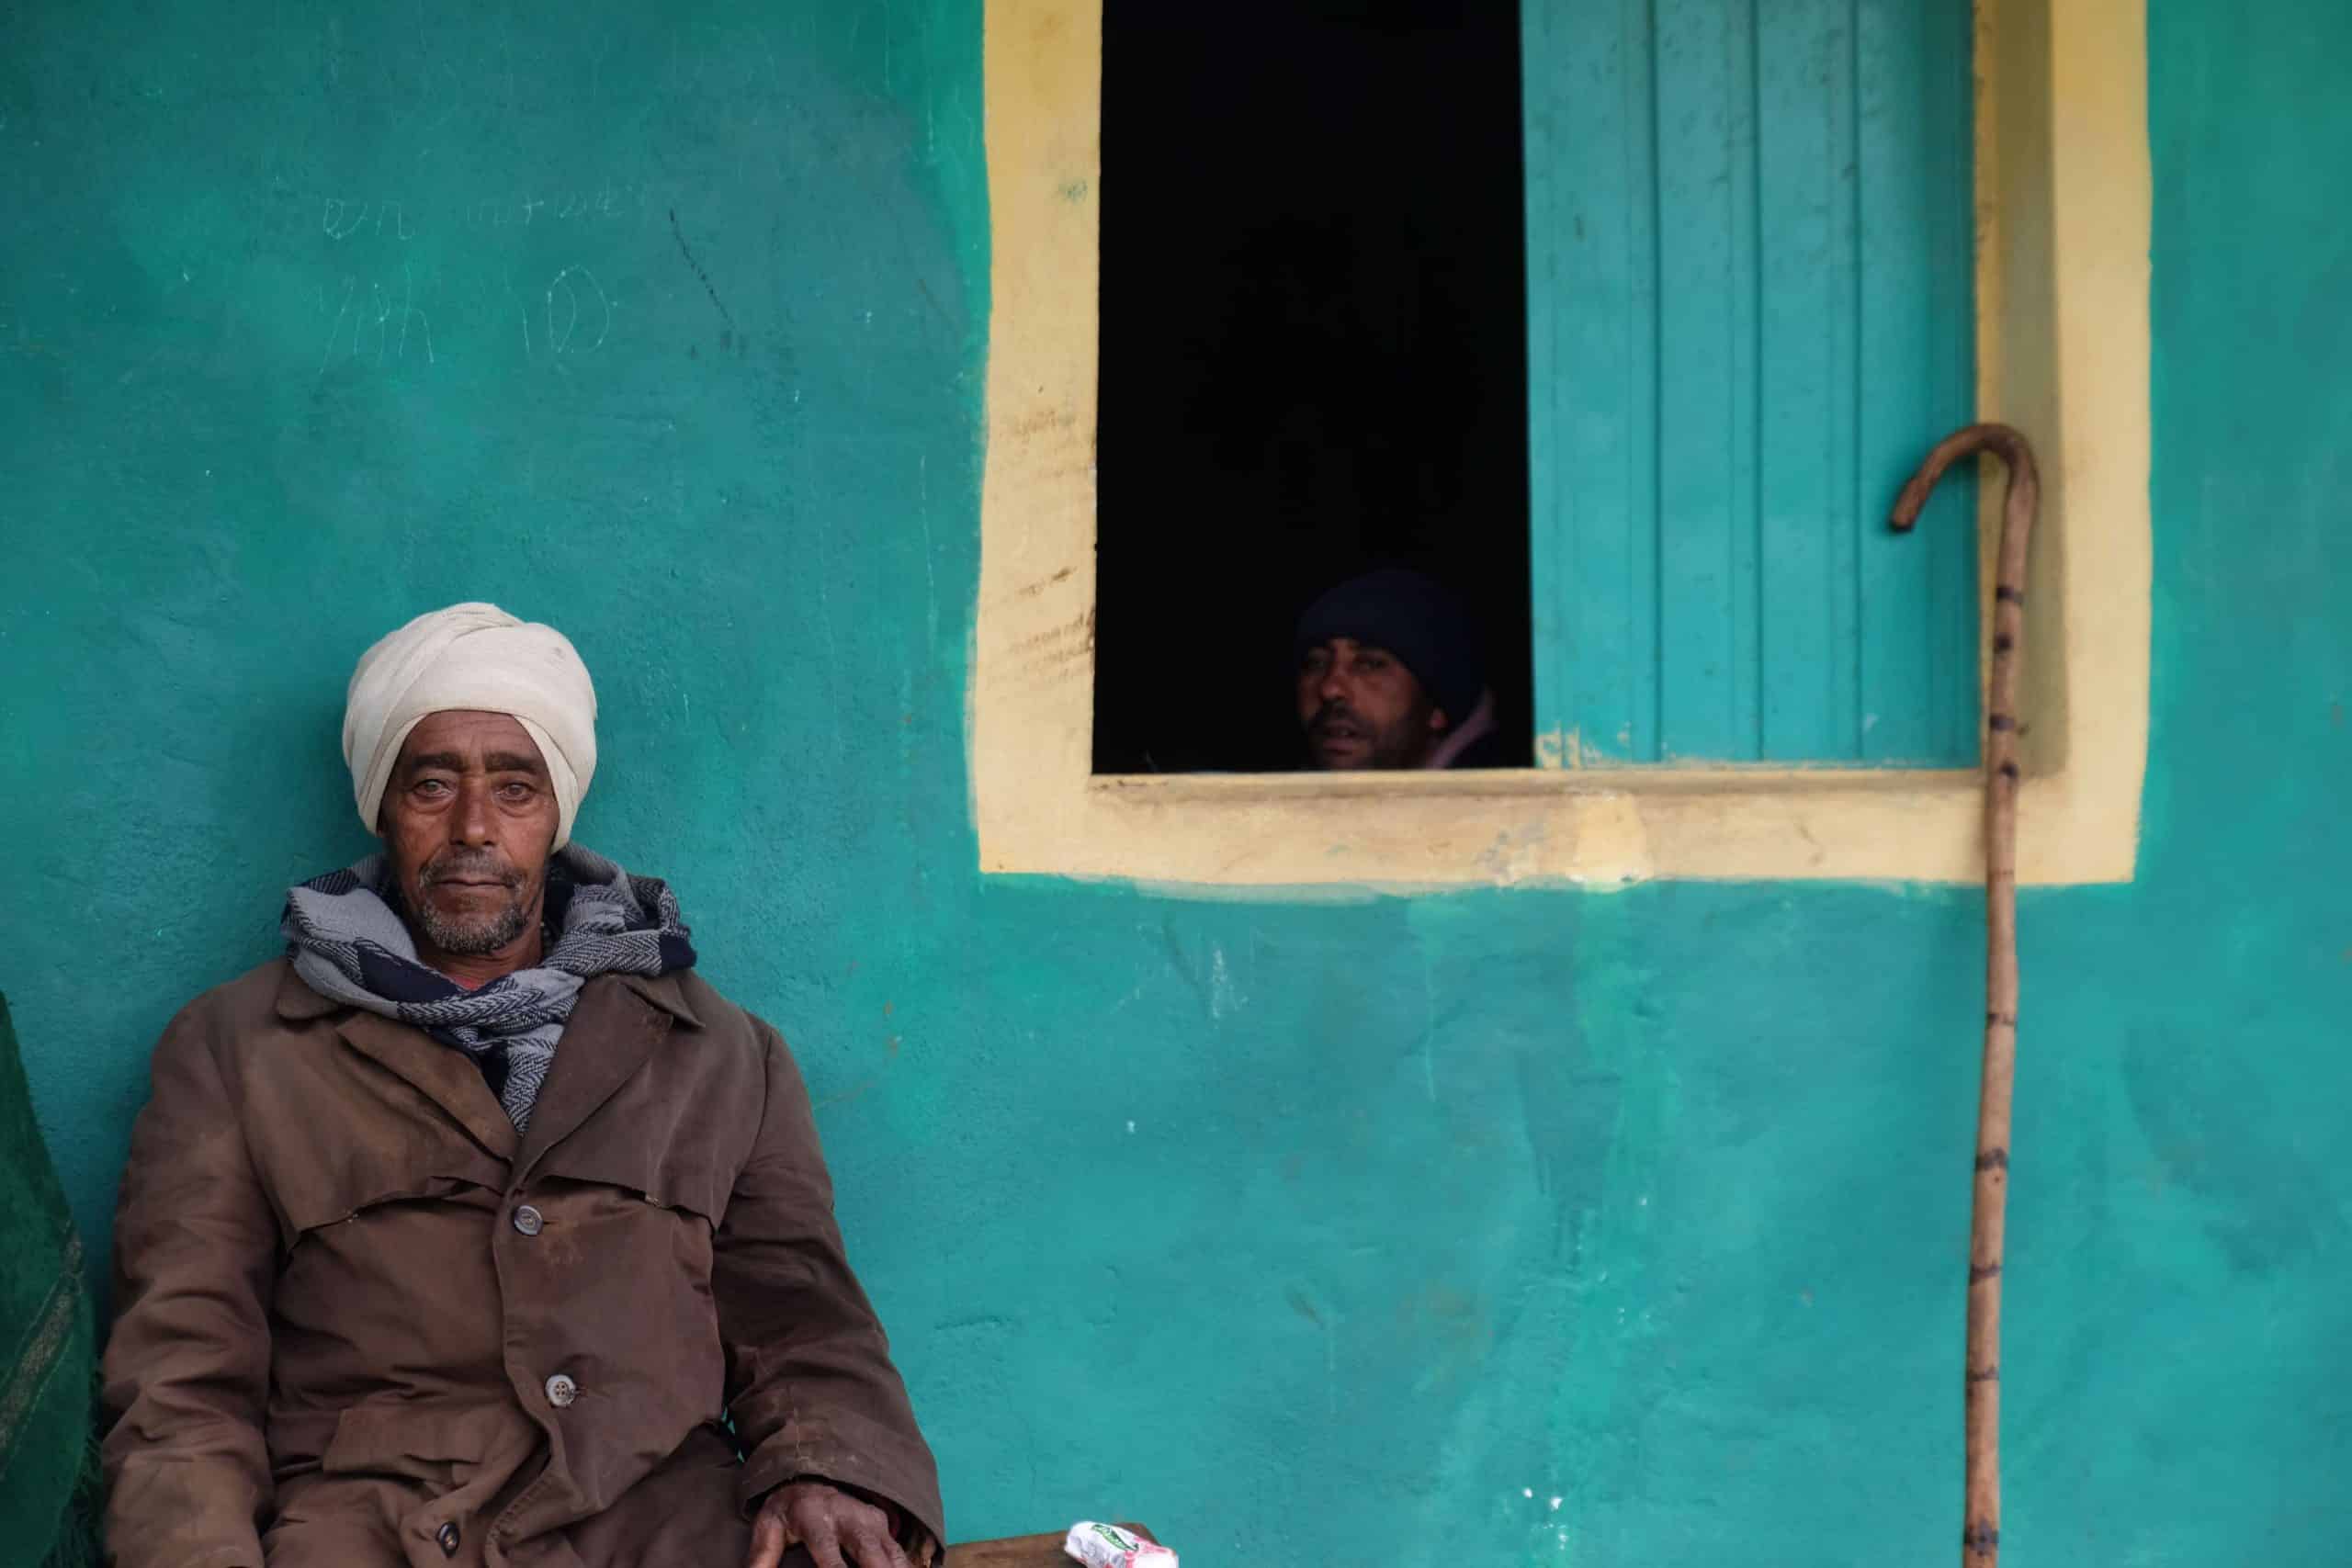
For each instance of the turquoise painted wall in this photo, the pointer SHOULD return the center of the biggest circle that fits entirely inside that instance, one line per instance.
(1432, 1210)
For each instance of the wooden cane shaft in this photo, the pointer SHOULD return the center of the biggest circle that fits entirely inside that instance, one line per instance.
(1980, 1527)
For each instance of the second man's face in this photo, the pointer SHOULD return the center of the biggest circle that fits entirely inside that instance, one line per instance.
(1360, 707)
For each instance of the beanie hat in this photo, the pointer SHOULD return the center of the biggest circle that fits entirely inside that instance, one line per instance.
(1416, 618)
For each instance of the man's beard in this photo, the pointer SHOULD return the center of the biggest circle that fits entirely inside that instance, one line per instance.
(1389, 747)
(471, 935)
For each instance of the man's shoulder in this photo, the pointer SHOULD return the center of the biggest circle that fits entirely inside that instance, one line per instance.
(227, 1021)
(251, 998)
(713, 1013)
(697, 1001)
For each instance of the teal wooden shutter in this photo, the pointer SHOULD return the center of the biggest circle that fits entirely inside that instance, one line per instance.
(1750, 311)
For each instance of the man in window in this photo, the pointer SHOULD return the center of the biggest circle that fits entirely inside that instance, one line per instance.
(449, 1235)
(1389, 675)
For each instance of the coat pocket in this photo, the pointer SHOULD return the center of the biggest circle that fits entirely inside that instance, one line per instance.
(441, 1446)
(671, 1177)
(418, 1166)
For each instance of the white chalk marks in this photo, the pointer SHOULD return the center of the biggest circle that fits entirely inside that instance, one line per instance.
(383, 319)
(574, 284)
(381, 322)
(607, 201)
(573, 306)
(340, 220)
(417, 278)
(344, 217)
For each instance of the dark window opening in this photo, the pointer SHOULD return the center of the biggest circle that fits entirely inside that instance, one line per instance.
(1313, 353)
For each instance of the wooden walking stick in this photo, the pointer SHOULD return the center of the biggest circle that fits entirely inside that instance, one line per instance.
(1980, 1535)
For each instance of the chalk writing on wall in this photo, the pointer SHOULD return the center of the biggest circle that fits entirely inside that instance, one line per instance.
(344, 217)
(565, 323)
(408, 284)
(379, 322)
(340, 220)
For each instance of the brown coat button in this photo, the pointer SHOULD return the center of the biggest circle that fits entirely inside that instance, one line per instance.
(448, 1536)
(561, 1391)
(528, 1221)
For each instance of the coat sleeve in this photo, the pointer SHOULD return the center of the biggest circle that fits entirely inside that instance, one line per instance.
(186, 1370)
(811, 1387)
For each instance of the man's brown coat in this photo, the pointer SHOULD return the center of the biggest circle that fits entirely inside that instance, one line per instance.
(363, 1321)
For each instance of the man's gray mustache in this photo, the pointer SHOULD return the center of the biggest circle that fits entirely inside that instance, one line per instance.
(472, 870)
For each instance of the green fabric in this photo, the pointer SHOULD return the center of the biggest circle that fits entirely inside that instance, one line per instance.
(45, 1463)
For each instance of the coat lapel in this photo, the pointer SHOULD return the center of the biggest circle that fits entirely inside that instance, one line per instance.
(613, 1029)
(442, 1073)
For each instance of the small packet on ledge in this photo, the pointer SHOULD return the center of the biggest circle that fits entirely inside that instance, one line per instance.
(1108, 1546)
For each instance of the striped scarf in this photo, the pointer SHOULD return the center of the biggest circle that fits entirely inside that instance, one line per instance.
(349, 945)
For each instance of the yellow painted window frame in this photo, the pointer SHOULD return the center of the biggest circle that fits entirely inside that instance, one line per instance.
(2063, 205)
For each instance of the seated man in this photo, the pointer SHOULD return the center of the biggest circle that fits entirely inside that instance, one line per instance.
(451, 1236)
(1389, 675)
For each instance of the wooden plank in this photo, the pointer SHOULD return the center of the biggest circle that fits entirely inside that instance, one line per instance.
(1022, 1552)
(1698, 510)
(1743, 372)
(1552, 630)
(1916, 637)
(1749, 310)
(1804, 172)
(1592, 321)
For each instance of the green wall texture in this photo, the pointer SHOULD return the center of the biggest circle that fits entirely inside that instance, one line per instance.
(1374, 1223)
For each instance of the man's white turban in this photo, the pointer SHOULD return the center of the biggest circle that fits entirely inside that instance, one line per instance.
(476, 656)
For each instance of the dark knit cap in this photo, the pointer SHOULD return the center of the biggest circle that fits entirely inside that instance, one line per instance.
(1416, 618)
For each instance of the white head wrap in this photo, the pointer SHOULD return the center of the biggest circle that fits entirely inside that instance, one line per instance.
(476, 656)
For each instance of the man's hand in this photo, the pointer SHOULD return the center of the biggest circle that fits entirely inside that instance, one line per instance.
(827, 1521)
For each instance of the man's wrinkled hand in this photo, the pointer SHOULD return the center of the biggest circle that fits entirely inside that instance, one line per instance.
(840, 1531)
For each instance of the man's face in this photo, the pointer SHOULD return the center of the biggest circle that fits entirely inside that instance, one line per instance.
(1362, 708)
(469, 821)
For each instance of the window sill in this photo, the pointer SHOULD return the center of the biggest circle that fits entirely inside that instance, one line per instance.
(1598, 828)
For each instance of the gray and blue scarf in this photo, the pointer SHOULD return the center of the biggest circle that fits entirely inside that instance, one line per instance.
(345, 934)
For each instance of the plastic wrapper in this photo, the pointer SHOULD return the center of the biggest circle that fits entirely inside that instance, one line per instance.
(1108, 1546)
